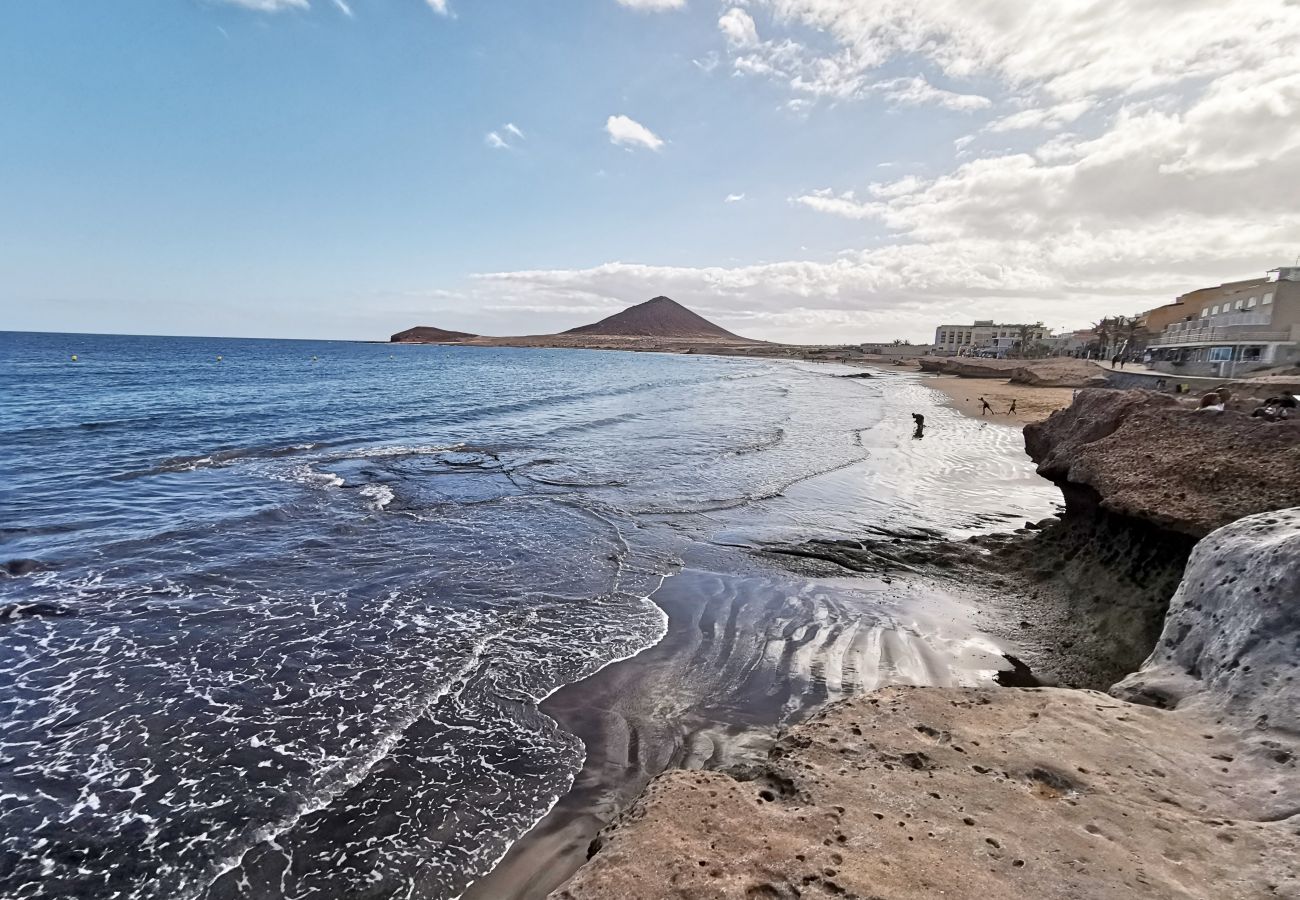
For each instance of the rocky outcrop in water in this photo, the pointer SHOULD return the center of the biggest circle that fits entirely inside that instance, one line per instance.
(1144, 455)
(912, 793)
(1231, 641)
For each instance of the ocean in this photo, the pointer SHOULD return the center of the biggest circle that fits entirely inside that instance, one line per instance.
(275, 616)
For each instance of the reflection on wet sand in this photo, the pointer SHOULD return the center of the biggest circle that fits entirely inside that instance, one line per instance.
(745, 653)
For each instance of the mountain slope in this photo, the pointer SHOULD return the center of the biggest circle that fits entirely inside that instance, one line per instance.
(660, 317)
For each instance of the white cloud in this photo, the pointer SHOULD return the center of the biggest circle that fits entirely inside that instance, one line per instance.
(270, 5)
(343, 7)
(733, 198)
(1064, 50)
(506, 138)
(708, 62)
(1184, 142)
(628, 132)
(846, 205)
(739, 27)
(652, 5)
(917, 91)
(1047, 117)
(439, 6)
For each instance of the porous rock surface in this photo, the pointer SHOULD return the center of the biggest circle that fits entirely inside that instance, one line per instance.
(912, 793)
(1231, 640)
(1145, 455)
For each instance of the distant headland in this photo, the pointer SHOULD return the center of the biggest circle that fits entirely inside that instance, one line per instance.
(660, 324)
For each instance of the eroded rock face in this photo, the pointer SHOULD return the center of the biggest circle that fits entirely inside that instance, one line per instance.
(1142, 454)
(969, 367)
(912, 793)
(1059, 372)
(1231, 640)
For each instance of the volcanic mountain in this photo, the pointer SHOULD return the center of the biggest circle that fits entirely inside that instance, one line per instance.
(661, 318)
(425, 334)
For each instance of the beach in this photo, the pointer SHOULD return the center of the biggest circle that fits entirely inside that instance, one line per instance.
(1033, 403)
(746, 654)
(1153, 753)
(361, 596)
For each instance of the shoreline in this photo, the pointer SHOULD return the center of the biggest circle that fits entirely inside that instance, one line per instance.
(752, 647)
(738, 664)
(1176, 779)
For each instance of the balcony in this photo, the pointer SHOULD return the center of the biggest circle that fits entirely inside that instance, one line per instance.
(1229, 334)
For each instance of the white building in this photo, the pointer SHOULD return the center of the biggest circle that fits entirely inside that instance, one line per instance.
(986, 338)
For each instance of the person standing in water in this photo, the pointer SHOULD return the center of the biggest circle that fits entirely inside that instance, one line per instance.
(984, 407)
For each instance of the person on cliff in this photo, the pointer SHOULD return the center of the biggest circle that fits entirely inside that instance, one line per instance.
(1011, 411)
(984, 407)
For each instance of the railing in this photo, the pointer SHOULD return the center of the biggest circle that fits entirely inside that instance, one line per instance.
(1223, 320)
(1228, 335)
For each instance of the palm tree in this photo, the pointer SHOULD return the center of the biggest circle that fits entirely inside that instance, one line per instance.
(1026, 339)
(1102, 330)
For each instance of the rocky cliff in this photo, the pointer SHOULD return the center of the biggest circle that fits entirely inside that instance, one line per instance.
(1143, 455)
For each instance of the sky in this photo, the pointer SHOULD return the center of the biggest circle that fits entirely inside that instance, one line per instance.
(826, 171)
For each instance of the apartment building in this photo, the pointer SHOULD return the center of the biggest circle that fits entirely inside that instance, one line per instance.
(986, 338)
(1230, 329)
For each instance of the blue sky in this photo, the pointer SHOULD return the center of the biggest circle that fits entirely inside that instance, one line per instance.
(288, 168)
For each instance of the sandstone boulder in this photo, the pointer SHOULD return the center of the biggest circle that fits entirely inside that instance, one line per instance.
(1231, 640)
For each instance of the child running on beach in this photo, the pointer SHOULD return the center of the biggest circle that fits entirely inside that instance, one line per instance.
(984, 407)
(1012, 410)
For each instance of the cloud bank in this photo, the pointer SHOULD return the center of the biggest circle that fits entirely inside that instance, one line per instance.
(1178, 170)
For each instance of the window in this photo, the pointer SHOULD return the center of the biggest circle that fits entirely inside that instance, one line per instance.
(1215, 310)
(1250, 303)
(1220, 354)
(1268, 298)
(1237, 305)
(1205, 312)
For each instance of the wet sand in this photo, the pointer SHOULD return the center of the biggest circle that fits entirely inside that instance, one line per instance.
(746, 653)
(1033, 404)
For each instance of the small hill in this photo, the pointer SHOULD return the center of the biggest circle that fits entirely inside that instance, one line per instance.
(424, 334)
(660, 317)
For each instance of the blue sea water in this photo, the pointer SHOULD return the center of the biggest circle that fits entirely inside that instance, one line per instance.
(275, 615)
